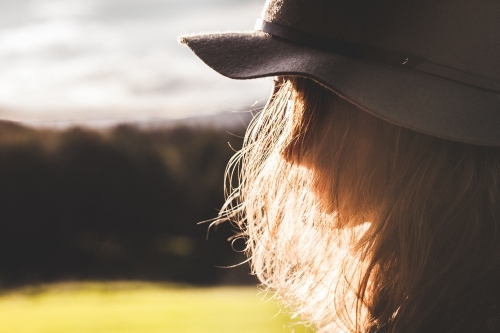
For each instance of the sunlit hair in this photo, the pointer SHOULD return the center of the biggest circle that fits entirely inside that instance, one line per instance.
(360, 225)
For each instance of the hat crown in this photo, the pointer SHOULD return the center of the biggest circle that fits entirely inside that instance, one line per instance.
(461, 34)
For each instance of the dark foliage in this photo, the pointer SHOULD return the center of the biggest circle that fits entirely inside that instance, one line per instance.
(119, 204)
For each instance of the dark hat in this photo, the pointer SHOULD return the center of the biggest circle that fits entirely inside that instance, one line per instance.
(429, 65)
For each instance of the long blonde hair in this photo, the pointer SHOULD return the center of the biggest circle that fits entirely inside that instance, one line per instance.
(360, 225)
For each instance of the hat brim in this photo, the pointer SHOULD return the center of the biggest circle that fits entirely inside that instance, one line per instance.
(406, 97)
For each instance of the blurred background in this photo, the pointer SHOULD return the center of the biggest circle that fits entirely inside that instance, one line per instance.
(107, 61)
(113, 143)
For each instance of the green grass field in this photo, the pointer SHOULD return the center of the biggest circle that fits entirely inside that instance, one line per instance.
(140, 307)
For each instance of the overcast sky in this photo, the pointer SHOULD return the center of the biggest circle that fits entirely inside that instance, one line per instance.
(91, 60)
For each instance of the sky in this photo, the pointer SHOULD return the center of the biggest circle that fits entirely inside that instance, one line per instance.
(91, 61)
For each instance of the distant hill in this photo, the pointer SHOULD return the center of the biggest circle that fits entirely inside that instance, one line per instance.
(224, 120)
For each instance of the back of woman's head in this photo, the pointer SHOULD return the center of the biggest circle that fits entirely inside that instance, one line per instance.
(361, 224)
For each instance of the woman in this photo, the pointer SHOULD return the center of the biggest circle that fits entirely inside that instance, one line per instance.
(369, 190)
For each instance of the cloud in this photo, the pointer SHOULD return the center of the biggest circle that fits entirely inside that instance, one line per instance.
(72, 61)
(50, 9)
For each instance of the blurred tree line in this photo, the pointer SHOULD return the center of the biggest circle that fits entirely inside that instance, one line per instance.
(117, 204)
